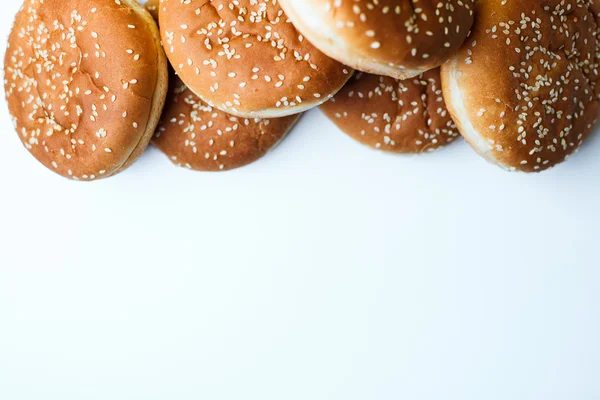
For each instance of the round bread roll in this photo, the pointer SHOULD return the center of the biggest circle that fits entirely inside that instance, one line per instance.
(397, 38)
(523, 89)
(200, 137)
(245, 58)
(407, 116)
(85, 82)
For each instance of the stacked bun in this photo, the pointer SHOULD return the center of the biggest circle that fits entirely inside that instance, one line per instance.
(86, 80)
(198, 136)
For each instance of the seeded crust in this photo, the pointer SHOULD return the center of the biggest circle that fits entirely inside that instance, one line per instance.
(407, 116)
(197, 136)
(85, 82)
(245, 57)
(160, 93)
(524, 87)
(397, 38)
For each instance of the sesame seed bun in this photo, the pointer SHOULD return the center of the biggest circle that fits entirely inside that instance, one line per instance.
(200, 137)
(523, 89)
(246, 58)
(407, 116)
(397, 38)
(85, 82)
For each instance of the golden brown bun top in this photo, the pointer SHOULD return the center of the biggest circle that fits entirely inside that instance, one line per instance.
(415, 35)
(200, 137)
(80, 76)
(528, 75)
(407, 116)
(244, 56)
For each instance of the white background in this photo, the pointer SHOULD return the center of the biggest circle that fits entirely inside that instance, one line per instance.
(324, 271)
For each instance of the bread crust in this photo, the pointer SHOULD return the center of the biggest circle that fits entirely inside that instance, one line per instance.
(523, 89)
(397, 38)
(407, 116)
(246, 58)
(85, 82)
(197, 136)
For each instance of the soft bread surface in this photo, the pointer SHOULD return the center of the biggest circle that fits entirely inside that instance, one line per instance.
(397, 38)
(523, 89)
(200, 137)
(245, 57)
(85, 82)
(407, 116)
